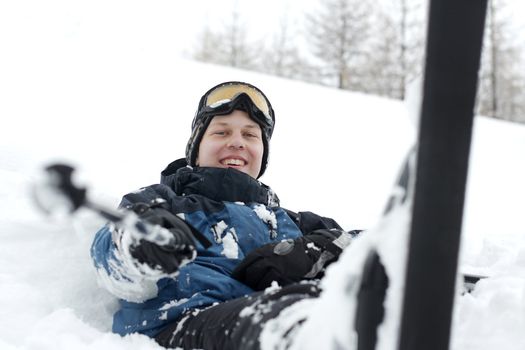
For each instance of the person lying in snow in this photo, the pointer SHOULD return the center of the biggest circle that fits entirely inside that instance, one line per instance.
(191, 295)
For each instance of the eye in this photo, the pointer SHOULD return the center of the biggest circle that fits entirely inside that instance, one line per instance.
(251, 135)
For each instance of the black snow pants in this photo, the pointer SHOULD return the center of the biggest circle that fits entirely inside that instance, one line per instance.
(234, 324)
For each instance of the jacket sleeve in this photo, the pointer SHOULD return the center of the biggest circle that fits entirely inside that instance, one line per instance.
(115, 271)
(309, 222)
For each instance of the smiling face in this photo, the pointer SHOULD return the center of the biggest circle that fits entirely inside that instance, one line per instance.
(232, 141)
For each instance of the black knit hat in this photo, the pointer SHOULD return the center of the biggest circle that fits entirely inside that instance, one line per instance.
(224, 99)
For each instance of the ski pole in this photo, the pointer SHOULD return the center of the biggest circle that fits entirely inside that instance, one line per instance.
(58, 194)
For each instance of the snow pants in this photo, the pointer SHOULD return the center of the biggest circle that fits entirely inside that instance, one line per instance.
(237, 323)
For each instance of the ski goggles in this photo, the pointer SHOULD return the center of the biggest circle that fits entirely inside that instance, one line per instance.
(223, 97)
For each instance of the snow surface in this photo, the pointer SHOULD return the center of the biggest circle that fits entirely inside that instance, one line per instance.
(115, 100)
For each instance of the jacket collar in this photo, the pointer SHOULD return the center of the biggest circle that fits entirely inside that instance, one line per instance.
(218, 184)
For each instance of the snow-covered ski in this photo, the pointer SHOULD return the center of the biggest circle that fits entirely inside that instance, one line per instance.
(433, 181)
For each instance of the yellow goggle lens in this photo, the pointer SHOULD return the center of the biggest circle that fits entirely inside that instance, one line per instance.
(228, 92)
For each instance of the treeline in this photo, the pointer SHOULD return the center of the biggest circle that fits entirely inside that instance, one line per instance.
(371, 47)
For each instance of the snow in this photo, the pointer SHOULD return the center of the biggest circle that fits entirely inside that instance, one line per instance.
(228, 240)
(279, 333)
(342, 281)
(218, 229)
(312, 245)
(116, 100)
(229, 243)
(171, 304)
(268, 217)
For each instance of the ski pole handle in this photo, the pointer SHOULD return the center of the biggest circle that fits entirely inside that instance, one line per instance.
(56, 192)
(63, 177)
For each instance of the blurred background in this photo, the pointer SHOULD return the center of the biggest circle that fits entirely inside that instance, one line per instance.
(111, 86)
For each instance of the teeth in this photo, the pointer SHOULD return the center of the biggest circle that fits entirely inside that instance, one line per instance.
(233, 162)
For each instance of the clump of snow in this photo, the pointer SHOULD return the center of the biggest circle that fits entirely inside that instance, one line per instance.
(247, 311)
(311, 245)
(121, 284)
(172, 304)
(229, 239)
(268, 217)
(231, 247)
(218, 230)
(130, 231)
(281, 332)
(274, 286)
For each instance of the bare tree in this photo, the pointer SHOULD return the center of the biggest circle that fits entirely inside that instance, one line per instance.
(500, 93)
(227, 45)
(337, 35)
(396, 48)
(208, 48)
(412, 29)
(381, 68)
(354, 45)
(282, 57)
(239, 51)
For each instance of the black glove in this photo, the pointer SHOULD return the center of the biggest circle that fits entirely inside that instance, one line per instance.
(291, 261)
(166, 256)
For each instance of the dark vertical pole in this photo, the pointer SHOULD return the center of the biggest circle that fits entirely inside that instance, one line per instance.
(454, 39)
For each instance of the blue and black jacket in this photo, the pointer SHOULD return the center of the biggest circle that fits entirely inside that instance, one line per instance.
(231, 209)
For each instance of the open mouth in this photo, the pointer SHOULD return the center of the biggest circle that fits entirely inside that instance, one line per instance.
(233, 162)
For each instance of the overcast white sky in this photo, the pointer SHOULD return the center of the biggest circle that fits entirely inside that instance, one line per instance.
(176, 20)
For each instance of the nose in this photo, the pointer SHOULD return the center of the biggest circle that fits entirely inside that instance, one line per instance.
(236, 141)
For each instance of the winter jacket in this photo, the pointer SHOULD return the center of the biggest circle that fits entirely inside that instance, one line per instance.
(234, 211)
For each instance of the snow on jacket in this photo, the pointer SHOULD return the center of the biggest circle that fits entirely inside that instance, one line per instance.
(234, 211)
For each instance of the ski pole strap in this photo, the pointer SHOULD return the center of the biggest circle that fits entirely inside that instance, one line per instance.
(345, 238)
(332, 240)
